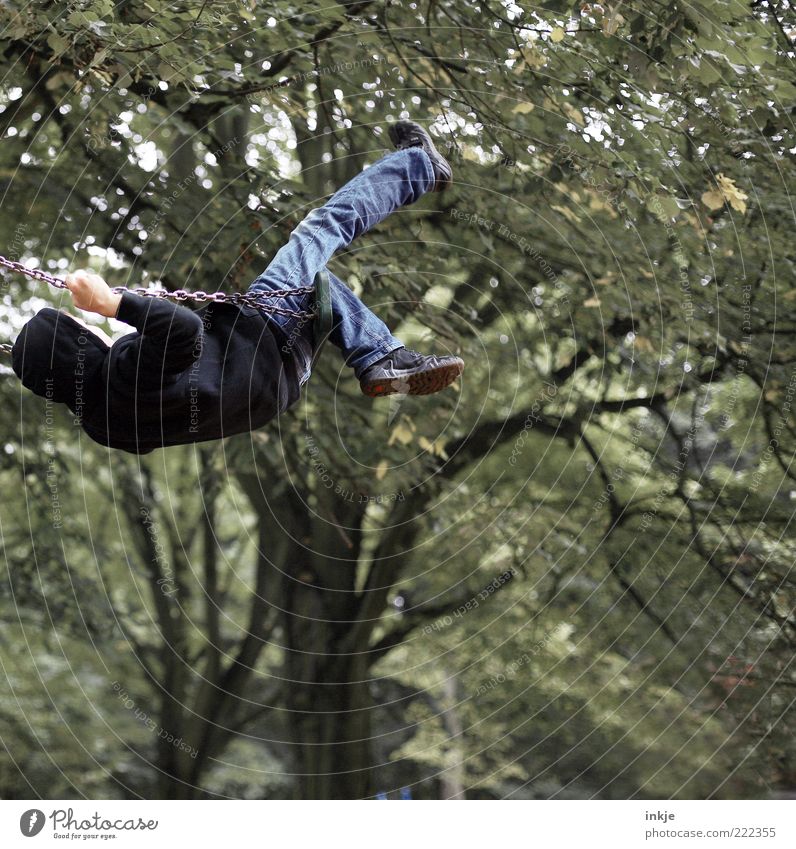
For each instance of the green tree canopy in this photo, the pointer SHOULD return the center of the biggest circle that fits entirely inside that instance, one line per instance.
(571, 575)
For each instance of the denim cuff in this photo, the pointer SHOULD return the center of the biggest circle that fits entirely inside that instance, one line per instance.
(387, 347)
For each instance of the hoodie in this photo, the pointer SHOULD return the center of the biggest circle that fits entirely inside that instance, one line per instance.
(57, 358)
(182, 377)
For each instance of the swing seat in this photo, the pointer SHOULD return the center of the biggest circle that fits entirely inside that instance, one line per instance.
(322, 324)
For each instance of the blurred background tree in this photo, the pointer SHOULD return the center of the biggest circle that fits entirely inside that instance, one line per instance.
(570, 576)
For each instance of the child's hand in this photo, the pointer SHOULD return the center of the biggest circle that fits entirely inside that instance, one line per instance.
(91, 293)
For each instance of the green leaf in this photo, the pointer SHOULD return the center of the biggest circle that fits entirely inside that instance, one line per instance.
(663, 207)
(58, 44)
(707, 73)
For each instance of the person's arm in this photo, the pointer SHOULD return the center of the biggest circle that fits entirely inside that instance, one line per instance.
(92, 294)
(170, 333)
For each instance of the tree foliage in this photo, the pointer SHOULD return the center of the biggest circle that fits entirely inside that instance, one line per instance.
(571, 575)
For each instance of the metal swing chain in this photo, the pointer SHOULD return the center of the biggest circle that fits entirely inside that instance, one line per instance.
(236, 298)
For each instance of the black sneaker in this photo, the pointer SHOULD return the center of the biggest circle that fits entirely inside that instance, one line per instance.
(405, 134)
(406, 372)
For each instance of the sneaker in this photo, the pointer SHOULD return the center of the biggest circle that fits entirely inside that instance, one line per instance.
(405, 134)
(407, 372)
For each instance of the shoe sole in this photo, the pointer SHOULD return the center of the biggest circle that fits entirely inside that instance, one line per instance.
(441, 183)
(419, 383)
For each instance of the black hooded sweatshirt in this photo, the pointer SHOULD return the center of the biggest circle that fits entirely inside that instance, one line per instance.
(183, 377)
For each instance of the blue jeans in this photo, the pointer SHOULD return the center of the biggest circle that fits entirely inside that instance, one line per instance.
(397, 179)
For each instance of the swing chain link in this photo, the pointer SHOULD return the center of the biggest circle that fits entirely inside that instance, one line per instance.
(235, 298)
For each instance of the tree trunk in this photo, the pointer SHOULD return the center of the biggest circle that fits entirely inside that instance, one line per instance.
(328, 695)
(452, 779)
(331, 718)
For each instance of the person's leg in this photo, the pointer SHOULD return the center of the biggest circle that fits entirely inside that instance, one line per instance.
(397, 179)
(361, 336)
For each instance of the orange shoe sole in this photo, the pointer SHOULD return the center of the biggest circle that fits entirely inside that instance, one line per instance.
(420, 383)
